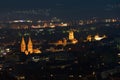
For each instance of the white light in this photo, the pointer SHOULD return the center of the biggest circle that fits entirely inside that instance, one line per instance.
(80, 75)
(118, 54)
(51, 75)
(118, 62)
(4, 53)
(71, 76)
(7, 50)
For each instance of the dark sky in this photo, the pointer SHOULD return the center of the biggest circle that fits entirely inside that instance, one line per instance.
(67, 7)
(55, 3)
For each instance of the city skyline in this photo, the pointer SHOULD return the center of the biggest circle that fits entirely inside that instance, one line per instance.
(60, 40)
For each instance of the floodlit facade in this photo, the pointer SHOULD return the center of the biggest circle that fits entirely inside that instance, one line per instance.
(29, 49)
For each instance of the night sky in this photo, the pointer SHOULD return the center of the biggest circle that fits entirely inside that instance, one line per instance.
(56, 3)
(67, 7)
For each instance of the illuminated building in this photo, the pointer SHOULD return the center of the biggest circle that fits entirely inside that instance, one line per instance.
(63, 24)
(81, 22)
(38, 26)
(71, 38)
(16, 26)
(23, 45)
(29, 49)
(52, 25)
(89, 38)
(45, 25)
(30, 46)
(60, 42)
(71, 35)
(95, 38)
(64, 42)
(98, 38)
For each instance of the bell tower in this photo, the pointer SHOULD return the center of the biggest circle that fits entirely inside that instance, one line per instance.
(71, 35)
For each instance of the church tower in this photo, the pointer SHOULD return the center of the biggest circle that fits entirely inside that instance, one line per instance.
(71, 35)
(23, 45)
(30, 46)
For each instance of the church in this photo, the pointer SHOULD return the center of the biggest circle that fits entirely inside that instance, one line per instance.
(28, 48)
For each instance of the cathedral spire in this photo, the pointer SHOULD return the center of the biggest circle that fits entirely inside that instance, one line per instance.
(30, 46)
(23, 45)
